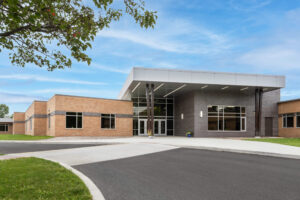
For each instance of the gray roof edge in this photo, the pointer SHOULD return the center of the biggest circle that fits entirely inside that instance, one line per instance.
(231, 79)
(10, 120)
(205, 71)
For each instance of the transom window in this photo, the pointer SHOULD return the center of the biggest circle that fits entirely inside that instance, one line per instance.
(73, 119)
(108, 121)
(4, 127)
(288, 121)
(226, 118)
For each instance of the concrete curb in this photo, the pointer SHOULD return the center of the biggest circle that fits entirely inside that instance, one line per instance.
(94, 190)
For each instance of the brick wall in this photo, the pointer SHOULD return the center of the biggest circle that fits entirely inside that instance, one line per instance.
(291, 107)
(91, 125)
(19, 123)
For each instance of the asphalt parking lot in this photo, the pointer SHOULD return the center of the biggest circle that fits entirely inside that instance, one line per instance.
(196, 174)
(12, 147)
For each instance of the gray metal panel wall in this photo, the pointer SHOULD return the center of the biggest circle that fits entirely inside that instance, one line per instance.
(204, 98)
(184, 104)
(270, 109)
(192, 103)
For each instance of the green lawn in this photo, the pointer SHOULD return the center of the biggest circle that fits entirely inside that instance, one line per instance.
(34, 178)
(22, 137)
(285, 141)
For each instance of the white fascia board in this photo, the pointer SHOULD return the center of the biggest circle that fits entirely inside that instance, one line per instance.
(210, 78)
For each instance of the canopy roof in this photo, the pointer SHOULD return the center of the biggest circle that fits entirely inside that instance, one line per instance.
(170, 82)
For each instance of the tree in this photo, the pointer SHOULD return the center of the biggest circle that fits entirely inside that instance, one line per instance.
(27, 27)
(4, 110)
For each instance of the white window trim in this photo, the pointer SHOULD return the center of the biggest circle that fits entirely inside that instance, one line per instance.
(229, 116)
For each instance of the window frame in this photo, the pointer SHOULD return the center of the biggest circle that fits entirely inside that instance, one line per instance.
(284, 117)
(110, 117)
(5, 127)
(297, 115)
(242, 114)
(76, 119)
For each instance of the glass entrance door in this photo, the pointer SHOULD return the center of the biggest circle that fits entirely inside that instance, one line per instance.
(159, 127)
(142, 127)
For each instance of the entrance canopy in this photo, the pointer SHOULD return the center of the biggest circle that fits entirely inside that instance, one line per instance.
(170, 82)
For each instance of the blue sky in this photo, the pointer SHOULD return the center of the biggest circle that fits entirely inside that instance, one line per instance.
(248, 36)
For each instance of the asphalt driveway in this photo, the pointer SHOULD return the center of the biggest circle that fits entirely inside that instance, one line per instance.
(196, 174)
(13, 147)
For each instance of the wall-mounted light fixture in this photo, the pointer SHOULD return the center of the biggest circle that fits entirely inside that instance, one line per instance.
(182, 116)
(201, 114)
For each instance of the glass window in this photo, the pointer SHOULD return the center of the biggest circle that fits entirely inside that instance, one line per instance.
(284, 121)
(232, 124)
(226, 118)
(290, 120)
(169, 100)
(243, 124)
(298, 120)
(163, 109)
(221, 122)
(213, 123)
(135, 123)
(160, 110)
(108, 121)
(170, 124)
(4, 127)
(212, 109)
(73, 120)
(170, 132)
(170, 109)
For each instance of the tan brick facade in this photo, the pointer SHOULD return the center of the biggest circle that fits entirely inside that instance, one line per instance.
(91, 125)
(19, 123)
(289, 107)
(41, 113)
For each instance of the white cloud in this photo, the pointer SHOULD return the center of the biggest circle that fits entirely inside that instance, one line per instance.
(16, 98)
(48, 79)
(279, 49)
(248, 5)
(111, 69)
(273, 57)
(180, 36)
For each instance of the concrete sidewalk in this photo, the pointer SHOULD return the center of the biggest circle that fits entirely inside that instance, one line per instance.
(220, 144)
(86, 155)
